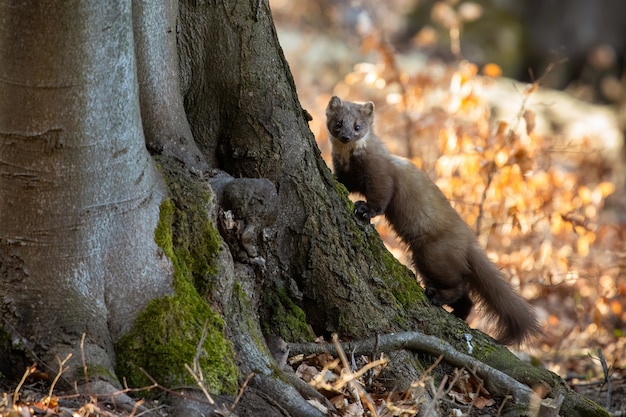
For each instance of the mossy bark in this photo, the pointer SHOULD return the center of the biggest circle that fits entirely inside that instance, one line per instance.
(175, 330)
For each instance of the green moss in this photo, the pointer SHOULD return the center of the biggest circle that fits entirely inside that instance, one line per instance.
(193, 234)
(344, 193)
(98, 372)
(399, 279)
(198, 241)
(165, 336)
(584, 407)
(284, 318)
(163, 231)
(243, 299)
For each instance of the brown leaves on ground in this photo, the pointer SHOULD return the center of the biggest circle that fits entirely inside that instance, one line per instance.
(357, 385)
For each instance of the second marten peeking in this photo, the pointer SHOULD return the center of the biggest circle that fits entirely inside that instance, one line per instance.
(444, 249)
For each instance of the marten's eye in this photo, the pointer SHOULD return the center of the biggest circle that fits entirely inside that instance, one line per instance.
(357, 127)
(339, 123)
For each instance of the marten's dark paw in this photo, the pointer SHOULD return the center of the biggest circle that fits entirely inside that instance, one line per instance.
(461, 303)
(363, 211)
(462, 307)
(433, 296)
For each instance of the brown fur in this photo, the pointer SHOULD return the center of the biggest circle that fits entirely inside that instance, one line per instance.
(444, 249)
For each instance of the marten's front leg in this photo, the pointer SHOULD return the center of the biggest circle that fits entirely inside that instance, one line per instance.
(378, 191)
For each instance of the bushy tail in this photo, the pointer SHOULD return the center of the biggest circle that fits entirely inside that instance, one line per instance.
(516, 320)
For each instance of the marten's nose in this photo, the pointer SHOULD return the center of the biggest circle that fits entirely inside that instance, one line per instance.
(345, 138)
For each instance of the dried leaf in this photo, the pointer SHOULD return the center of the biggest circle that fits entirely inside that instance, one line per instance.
(353, 410)
(492, 70)
(530, 119)
(306, 372)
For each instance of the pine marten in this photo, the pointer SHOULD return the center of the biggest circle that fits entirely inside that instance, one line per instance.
(444, 249)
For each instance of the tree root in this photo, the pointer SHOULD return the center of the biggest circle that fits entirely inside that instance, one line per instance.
(495, 381)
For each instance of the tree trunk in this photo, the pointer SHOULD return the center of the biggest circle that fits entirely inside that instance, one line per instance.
(79, 194)
(83, 210)
(164, 120)
(261, 132)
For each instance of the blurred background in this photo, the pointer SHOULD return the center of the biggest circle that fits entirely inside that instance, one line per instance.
(516, 110)
(581, 42)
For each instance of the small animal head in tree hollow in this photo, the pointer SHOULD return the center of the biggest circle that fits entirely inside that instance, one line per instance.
(349, 122)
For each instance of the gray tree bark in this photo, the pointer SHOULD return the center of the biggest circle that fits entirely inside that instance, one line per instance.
(79, 193)
(164, 120)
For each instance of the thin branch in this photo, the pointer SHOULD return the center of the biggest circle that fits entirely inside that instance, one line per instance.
(362, 395)
(57, 377)
(241, 391)
(438, 394)
(30, 370)
(200, 383)
(196, 372)
(605, 370)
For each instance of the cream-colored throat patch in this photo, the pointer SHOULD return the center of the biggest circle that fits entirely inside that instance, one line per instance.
(343, 151)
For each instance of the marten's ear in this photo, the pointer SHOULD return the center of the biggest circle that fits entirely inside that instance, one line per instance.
(334, 103)
(367, 109)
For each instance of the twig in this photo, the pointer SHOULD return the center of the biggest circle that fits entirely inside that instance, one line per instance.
(29, 371)
(82, 356)
(374, 354)
(150, 410)
(46, 400)
(196, 372)
(135, 407)
(504, 401)
(549, 68)
(241, 391)
(199, 350)
(363, 396)
(478, 389)
(436, 397)
(433, 366)
(605, 370)
(84, 363)
(200, 383)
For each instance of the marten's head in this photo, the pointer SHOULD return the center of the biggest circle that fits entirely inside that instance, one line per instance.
(349, 122)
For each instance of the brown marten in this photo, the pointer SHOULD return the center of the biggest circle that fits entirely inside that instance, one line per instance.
(445, 251)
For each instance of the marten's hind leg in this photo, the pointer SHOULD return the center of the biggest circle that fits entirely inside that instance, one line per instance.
(444, 270)
(457, 298)
(462, 307)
